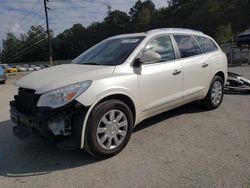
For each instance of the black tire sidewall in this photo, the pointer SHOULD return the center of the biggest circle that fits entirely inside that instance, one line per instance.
(93, 121)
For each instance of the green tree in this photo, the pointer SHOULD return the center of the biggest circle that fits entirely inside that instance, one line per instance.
(10, 49)
(117, 17)
(34, 47)
(115, 23)
(139, 6)
(144, 19)
(28, 47)
(224, 34)
(209, 16)
(70, 43)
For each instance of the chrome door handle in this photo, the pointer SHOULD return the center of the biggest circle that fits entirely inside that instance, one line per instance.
(204, 65)
(176, 72)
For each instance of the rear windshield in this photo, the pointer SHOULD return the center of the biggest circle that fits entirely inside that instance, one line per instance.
(109, 52)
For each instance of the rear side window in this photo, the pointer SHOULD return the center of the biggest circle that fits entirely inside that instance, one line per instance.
(163, 46)
(187, 46)
(206, 44)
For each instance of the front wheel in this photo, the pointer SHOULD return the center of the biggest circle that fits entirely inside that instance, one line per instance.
(109, 128)
(215, 94)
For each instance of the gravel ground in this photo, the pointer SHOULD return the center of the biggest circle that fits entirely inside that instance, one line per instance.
(186, 147)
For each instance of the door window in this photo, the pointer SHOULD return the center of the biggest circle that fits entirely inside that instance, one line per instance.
(206, 44)
(163, 46)
(187, 46)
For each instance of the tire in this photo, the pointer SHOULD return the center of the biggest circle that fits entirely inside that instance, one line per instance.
(93, 139)
(208, 101)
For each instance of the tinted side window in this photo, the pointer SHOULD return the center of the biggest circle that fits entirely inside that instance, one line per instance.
(187, 46)
(163, 46)
(206, 44)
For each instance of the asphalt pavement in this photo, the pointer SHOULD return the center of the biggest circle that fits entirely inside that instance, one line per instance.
(186, 147)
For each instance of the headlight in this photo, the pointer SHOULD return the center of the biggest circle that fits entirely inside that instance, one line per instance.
(62, 96)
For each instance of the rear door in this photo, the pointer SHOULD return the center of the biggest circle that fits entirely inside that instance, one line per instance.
(195, 66)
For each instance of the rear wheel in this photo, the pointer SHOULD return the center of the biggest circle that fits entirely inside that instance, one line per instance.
(215, 94)
(109, 128)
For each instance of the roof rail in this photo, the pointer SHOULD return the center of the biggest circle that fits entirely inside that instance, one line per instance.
(175, 29)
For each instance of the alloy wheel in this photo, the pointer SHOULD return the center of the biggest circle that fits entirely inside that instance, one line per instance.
(112, 129)
(216, 93)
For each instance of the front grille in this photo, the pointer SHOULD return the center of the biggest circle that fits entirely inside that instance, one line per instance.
(26, 101)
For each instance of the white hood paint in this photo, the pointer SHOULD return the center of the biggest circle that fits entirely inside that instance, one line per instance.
(62, 75)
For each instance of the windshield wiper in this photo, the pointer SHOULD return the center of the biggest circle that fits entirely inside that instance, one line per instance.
(91, 63)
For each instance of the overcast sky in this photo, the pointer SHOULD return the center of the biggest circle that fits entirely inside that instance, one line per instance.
(17, 16)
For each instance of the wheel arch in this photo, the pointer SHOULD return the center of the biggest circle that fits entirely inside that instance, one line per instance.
(119, 96)
(124, 98)
(222, 75)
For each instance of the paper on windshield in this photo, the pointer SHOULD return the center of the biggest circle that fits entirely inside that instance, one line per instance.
(129, 41)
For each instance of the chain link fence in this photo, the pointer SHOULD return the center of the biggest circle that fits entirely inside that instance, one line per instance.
(237, 56)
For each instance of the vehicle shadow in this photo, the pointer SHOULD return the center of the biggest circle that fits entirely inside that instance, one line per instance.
(237, 92)
(35, 157)
(20, 159)
(186, 109)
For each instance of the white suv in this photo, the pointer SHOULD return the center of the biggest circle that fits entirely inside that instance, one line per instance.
(95, 102)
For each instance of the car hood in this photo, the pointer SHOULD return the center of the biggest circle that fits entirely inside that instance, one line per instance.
(62, 75)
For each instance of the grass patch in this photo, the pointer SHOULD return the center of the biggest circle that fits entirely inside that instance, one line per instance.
(11, 74)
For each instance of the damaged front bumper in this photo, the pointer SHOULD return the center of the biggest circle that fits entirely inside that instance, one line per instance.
(62, 126)
(3, 78)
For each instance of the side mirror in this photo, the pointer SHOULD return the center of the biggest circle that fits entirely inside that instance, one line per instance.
(147, 58)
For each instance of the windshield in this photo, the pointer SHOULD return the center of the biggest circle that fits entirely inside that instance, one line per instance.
(110, 52)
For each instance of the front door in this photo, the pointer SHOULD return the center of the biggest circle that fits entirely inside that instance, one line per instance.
(161, 82)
